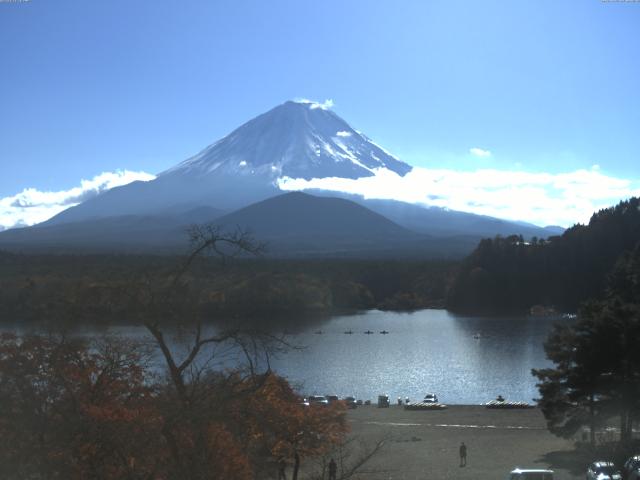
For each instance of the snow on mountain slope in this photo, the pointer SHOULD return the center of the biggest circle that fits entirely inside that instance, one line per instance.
(297, 140)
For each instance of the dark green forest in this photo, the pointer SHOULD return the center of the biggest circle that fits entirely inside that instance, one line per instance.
(510, 275)
(98, 288)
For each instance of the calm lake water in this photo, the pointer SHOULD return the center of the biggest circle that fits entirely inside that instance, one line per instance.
(424, 351)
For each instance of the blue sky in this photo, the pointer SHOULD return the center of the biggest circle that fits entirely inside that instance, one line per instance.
(546, 87)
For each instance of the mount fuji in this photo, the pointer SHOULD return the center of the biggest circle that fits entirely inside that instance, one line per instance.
(234, 182)
(295, 139)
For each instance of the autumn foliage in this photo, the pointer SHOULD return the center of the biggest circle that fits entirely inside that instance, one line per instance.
(70, 410)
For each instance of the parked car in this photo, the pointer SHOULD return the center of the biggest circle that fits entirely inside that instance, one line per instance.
(530, 474)
(318, 400)
(383, 401)
(331, 398)
(602, 470)
(351, 402)
(430, 398)
(631, 468)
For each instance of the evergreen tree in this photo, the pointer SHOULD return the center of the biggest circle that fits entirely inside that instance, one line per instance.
(597, 360)
(510, 275)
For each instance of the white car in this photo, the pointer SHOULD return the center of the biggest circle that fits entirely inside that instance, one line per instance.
(530, 474)
(603, 471)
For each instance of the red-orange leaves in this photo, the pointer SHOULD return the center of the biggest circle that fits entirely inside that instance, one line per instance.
(72, 411)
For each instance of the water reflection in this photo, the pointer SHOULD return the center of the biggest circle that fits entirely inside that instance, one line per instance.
(462, 359)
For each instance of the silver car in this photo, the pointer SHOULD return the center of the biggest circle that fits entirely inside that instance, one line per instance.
(318, 400)
(632, 468)
(351, 402)
(602, 470)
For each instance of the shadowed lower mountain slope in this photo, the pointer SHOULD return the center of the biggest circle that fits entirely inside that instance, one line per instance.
(298, 214)
(299, 224)
(442, 222)
(293, 225)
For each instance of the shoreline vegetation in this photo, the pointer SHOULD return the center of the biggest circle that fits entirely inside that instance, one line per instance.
(97, 288)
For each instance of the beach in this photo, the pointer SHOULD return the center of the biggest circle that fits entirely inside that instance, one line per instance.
(425, 444)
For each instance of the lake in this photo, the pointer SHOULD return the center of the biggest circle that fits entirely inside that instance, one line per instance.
(424, 351)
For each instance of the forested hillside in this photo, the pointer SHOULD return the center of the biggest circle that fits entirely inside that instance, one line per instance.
(506, 275)
(99, 288)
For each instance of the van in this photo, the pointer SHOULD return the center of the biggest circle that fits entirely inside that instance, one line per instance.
(383, 401)
(530, 474)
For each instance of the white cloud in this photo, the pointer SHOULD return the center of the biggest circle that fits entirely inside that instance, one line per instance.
(326, 105)
(33, 206)
(479, 152)
(540, 198)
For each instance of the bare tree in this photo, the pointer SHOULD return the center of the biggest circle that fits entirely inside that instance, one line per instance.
(175, 303)
(201, 391)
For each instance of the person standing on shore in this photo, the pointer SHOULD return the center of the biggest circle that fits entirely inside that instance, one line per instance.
(463, 455)
(333, 469)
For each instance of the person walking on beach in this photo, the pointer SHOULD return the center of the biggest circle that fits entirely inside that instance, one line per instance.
(463, 455)
(333, 469)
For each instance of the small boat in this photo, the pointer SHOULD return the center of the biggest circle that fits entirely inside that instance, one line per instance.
(318, 332)
(368, 332)
(348, 332)
(384, 332)
(501, 403)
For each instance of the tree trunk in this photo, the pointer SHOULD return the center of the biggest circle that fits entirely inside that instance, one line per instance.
(592, 423)
(626, 427)
(296, 465)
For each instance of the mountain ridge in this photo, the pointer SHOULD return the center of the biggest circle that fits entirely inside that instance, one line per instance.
(241, 169)
(293, 224)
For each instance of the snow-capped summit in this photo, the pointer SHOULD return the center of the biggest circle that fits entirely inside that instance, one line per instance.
(298, 139)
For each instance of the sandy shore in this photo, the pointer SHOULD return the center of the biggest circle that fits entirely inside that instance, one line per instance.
(424, 444)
